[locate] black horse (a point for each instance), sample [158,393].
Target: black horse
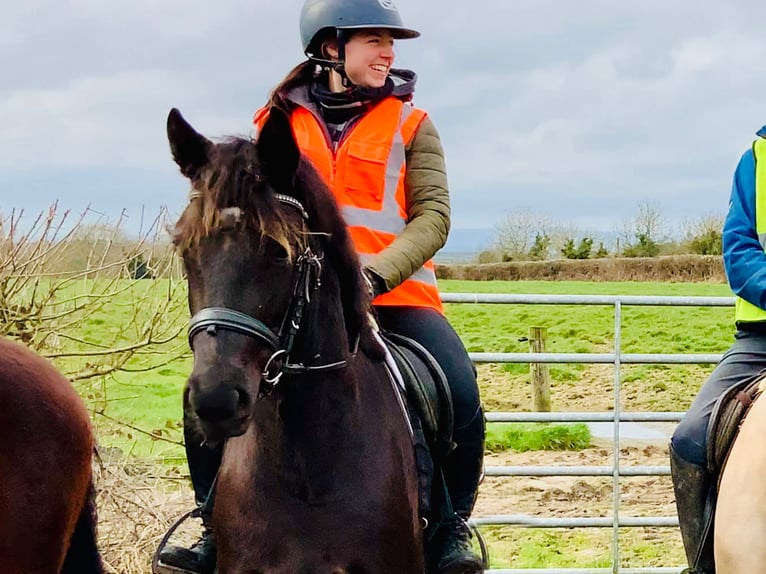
[318,472]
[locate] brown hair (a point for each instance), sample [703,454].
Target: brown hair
[300,75]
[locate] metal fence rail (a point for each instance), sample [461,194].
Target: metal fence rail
[617,358]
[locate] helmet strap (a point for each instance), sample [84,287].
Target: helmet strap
[338,65]
[341,36]
[341,63]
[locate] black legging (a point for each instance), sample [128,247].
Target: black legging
[744,359]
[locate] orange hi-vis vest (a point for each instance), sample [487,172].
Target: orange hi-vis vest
[366,173]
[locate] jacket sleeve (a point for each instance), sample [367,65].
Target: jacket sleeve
[743,255]
[427,206]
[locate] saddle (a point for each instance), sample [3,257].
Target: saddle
[426,391]
[727,416]
[428,402]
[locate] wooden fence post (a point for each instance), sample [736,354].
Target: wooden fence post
[541,380]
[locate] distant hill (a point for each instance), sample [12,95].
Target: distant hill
[455,258]
[464,245]
[469,240]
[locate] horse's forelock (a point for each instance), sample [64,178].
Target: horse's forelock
[232,180]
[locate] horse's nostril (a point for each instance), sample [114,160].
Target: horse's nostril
[243,398]
[218,405]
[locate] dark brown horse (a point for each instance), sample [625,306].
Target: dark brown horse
[318,473]
[47,513]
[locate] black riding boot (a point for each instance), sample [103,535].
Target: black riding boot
[203,467]
[695,503]
[462,473]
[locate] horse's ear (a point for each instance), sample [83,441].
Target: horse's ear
[190,149]
[277,149]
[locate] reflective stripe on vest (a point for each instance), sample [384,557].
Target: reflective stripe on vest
[367,175]
[745,311]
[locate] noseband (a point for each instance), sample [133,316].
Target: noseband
[307,281]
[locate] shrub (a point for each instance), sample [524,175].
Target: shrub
[582,251]
[709,243]
[539,249]
[646,247]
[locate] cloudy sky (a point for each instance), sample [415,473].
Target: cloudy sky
[575,110]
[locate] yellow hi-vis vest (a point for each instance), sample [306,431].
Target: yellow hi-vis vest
[744,311]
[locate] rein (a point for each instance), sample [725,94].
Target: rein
[308,280]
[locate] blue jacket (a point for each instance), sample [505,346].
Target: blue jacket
[743,255]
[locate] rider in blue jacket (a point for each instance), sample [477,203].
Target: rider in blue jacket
[744,256]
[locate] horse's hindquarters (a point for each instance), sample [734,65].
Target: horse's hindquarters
[45,462]
[740,522]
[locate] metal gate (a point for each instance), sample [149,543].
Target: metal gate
[617,358]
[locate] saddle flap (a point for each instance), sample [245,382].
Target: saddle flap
[427,390]
[729,411]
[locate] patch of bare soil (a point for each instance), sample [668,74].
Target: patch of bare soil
[593,391]
[578,496]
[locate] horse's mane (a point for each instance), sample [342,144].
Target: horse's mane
[232,178]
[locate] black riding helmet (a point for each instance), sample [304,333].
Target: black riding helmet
[319,18]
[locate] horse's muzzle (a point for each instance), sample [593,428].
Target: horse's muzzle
[223,411]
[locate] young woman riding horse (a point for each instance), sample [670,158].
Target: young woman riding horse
[47,512]
[381,158]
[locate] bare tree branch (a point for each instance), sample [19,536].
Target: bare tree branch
[68,289]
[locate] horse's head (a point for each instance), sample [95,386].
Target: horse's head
[260,234]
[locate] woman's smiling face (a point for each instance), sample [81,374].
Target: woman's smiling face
[369,56]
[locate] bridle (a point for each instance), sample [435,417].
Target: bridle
[307,281]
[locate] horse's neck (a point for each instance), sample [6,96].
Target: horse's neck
[307,434]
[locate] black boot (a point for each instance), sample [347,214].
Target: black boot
[695,501]
[203,467]
[463,470]
[457,555]
[199,559]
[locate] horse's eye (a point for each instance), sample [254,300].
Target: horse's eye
[275,251]
[281,254]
